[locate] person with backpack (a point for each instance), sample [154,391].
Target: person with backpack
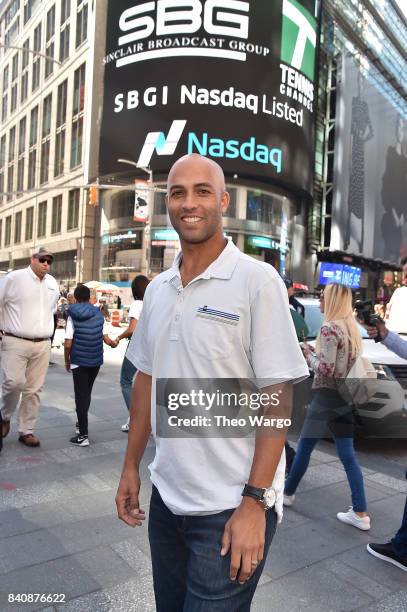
[86,330]
[338,346]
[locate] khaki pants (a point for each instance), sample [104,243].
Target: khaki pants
[24,366]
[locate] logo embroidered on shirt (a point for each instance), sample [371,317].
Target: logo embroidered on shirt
[213,314]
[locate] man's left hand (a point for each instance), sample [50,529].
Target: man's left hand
[244,536]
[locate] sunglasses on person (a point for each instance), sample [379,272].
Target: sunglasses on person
[45,260]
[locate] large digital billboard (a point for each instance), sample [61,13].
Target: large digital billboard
[370,171]
[340,273]
[229,79]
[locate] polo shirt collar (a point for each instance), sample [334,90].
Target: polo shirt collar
[223,267]
[33,274]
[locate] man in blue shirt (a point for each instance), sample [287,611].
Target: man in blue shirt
[394,552]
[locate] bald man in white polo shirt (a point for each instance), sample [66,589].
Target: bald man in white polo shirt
[216,314]
[28,301]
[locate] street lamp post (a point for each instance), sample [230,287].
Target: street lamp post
[146,248]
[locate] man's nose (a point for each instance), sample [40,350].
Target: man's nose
[189,202]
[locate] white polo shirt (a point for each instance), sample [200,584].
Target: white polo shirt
[28,304]
[177,337]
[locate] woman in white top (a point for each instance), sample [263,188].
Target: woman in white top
[128,371]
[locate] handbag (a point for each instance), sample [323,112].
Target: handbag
[360,383]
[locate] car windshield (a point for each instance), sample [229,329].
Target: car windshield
[314,319]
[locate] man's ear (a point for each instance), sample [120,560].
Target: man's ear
[225,201]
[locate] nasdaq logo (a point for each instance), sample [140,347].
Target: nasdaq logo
[298,38]
[249,150]
[161,144]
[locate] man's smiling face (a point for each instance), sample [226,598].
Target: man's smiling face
[196,198]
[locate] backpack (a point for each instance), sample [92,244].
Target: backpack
[360,383]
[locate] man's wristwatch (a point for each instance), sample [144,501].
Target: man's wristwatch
[265,496]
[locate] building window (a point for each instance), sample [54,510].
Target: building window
[21,135]
[29,223]
[14,82]
[4,108]
[2,151]
[7,233]
[49,41]
[64,44]
[42,219]
[77,116]
[10,182]
[17,227]
[34,127]
[56,215]
[59,153]
[76,144]
[36,58]
[32,163]
[81,24]
[50,23]
[61,105]
[5,79]
[46,116]
[24,68]
[20,175]
[12,144]
[29,6]
[65,10]
[44,172]
[79,90]
[73,209]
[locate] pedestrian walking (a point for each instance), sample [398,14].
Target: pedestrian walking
[338,345]
[216,313]
[395,551]
[128,370]
[85,332]
[28,301]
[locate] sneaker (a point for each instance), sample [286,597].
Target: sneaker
[288,500]
[125,428]
[77,431]
[351,518]
[386,553]
[80,440]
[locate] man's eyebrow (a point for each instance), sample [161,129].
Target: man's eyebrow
[196,185]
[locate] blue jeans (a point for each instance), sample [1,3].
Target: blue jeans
[188,571]
[346,453]
[127,374]
[399,541]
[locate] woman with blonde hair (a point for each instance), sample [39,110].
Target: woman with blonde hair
[338,345]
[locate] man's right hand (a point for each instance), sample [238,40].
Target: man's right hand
[127,498]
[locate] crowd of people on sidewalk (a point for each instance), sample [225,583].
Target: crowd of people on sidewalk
[216,314]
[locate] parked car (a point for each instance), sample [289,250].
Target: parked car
[385,415]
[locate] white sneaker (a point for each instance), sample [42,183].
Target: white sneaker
[351,518]
[125,428]
[288,500]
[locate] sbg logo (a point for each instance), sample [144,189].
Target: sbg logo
[188,19]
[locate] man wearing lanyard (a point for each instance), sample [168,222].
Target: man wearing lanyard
[28,301]
[216,314]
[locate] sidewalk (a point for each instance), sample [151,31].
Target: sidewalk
[60,535]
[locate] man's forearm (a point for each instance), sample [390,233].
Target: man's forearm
[140,421]
[270,441]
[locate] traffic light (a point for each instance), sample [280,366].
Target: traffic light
[93,196]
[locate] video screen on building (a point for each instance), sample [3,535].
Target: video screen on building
[340,273]
[234,81]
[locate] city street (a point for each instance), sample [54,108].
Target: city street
[60,534]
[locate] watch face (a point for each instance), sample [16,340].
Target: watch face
[269,497]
